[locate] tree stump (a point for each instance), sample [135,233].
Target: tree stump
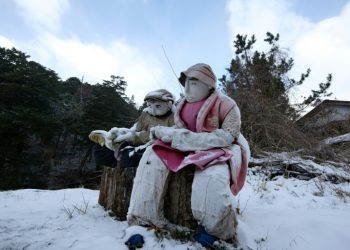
[116,187]
[115,190]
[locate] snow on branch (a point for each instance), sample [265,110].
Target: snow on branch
[338,139]
[290,165]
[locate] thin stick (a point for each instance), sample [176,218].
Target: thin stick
[171,66]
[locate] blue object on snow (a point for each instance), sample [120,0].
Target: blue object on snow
[203,237]
[135,241]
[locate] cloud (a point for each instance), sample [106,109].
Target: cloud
[93,61]
[257,17]
[43,15]
[324,46]
[326,49]
[7,43]
[72,57]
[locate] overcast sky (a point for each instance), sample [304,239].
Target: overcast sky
[95,39]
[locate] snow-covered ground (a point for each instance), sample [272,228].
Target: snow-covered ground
[278,214]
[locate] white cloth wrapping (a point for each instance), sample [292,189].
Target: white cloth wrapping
[190,141]
[211,198]
[212,201]
[186,140]
[147,196]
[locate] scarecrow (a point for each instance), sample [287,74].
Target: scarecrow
[207,135]
[128,144]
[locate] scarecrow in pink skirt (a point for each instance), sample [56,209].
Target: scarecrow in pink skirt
[206,134]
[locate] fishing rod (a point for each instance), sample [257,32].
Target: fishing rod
[172,68]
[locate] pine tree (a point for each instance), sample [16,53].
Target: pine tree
[260,83]
[46,121]
[28,93]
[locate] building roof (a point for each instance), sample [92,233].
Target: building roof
[324,104]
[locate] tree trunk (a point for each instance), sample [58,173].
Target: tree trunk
[116,187]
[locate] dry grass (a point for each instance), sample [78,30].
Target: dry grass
[267,126]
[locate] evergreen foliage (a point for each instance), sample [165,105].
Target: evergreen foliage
[42,117]
[28,92]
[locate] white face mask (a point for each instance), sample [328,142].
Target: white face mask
[158,108]
[195,90]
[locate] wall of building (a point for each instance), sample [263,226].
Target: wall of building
[329,114]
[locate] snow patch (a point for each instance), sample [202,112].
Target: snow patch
[277,214]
